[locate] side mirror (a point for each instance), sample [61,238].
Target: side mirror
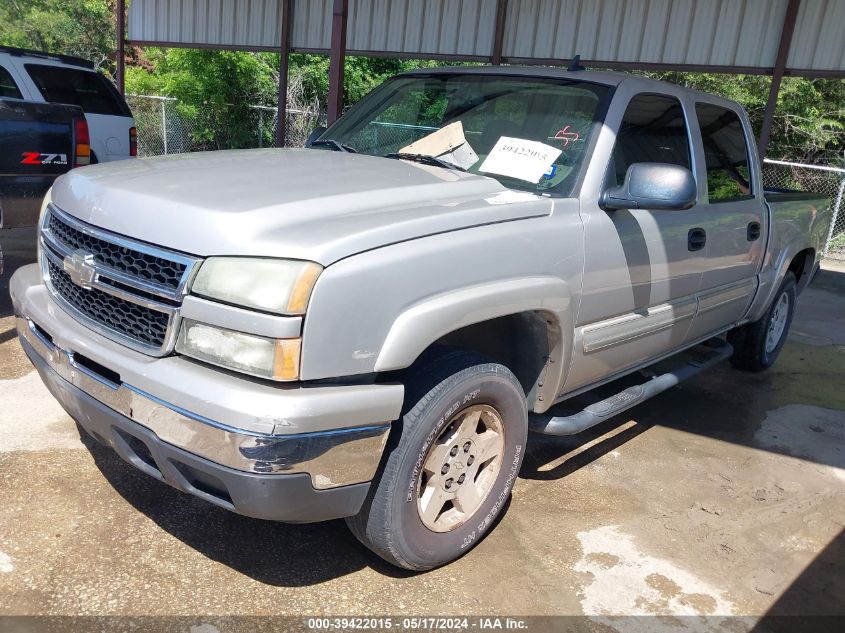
[656,186]
[317,133]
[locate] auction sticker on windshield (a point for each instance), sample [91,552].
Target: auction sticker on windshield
[520,158]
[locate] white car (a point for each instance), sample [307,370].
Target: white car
[42,77]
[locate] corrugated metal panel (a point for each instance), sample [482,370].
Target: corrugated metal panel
[235,23]
[743,33]
[698,32]
[312,24]
[819,39]
[440,27]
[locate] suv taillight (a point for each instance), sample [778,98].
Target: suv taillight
[133,141]
[82,142]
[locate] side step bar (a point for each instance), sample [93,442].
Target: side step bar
[712,352]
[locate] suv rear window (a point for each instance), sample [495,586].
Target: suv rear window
[8,88]
[84,88]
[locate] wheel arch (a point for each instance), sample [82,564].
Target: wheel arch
[796,257]
[488,318]
[802,265]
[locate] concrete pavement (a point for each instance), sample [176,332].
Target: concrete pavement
[724,496]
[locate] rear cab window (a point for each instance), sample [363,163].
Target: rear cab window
[653,130]
[8,88]
[87,89]
[725,153]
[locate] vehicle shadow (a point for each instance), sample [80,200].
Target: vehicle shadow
[273,553]
[727,404]
[17,248]
[815,601]
[8,335]
[722,403]
[548,458]
[817,596]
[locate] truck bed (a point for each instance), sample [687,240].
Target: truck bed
[36,146]
[792,195]
[798,217]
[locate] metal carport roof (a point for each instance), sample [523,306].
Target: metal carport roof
[773,37]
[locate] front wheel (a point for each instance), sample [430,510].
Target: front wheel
[757,344]
[451,465]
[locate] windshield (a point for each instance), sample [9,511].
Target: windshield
[529,133]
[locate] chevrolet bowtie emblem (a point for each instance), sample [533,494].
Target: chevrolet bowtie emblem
[80,266]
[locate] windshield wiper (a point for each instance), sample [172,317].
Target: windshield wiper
[337,145]
[426,159]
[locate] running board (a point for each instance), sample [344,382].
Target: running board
[711,352]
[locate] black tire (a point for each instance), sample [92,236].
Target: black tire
[438,389]
[749,340]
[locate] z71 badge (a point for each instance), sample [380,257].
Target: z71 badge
[37,158]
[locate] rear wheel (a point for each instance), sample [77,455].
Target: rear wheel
[758,344]
[451,464]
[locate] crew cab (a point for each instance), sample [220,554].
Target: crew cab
[368,327]
[47,78]
[38,143]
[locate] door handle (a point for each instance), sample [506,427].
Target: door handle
[696,239]
[753,231]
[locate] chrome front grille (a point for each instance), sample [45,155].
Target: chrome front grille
[143,325]
[145,266]
[126,290]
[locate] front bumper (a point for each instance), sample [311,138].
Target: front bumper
[314,469]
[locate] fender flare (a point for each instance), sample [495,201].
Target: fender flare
[423,323]
[778,272]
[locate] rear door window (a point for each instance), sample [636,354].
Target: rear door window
[653,130]
[8,87]
[86,89]
[725,153]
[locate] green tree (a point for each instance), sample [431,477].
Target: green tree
[215,91]
[809,123]
[215,88]
[361,74]
[85,28]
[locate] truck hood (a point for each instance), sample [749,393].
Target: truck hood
[303,204]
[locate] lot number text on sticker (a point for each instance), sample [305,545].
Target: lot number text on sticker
[520,158]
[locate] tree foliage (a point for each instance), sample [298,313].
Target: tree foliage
[85,28]
[215,88]
[809,123]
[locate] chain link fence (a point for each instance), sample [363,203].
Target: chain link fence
[823,180]
[168,126]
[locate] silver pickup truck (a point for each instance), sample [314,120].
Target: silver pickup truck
[367,327]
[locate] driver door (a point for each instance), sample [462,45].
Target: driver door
[643,267]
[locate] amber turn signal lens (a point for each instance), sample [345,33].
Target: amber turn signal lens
[286,362]
[301,293]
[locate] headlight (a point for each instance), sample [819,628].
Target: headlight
[277,359]
[280,286]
